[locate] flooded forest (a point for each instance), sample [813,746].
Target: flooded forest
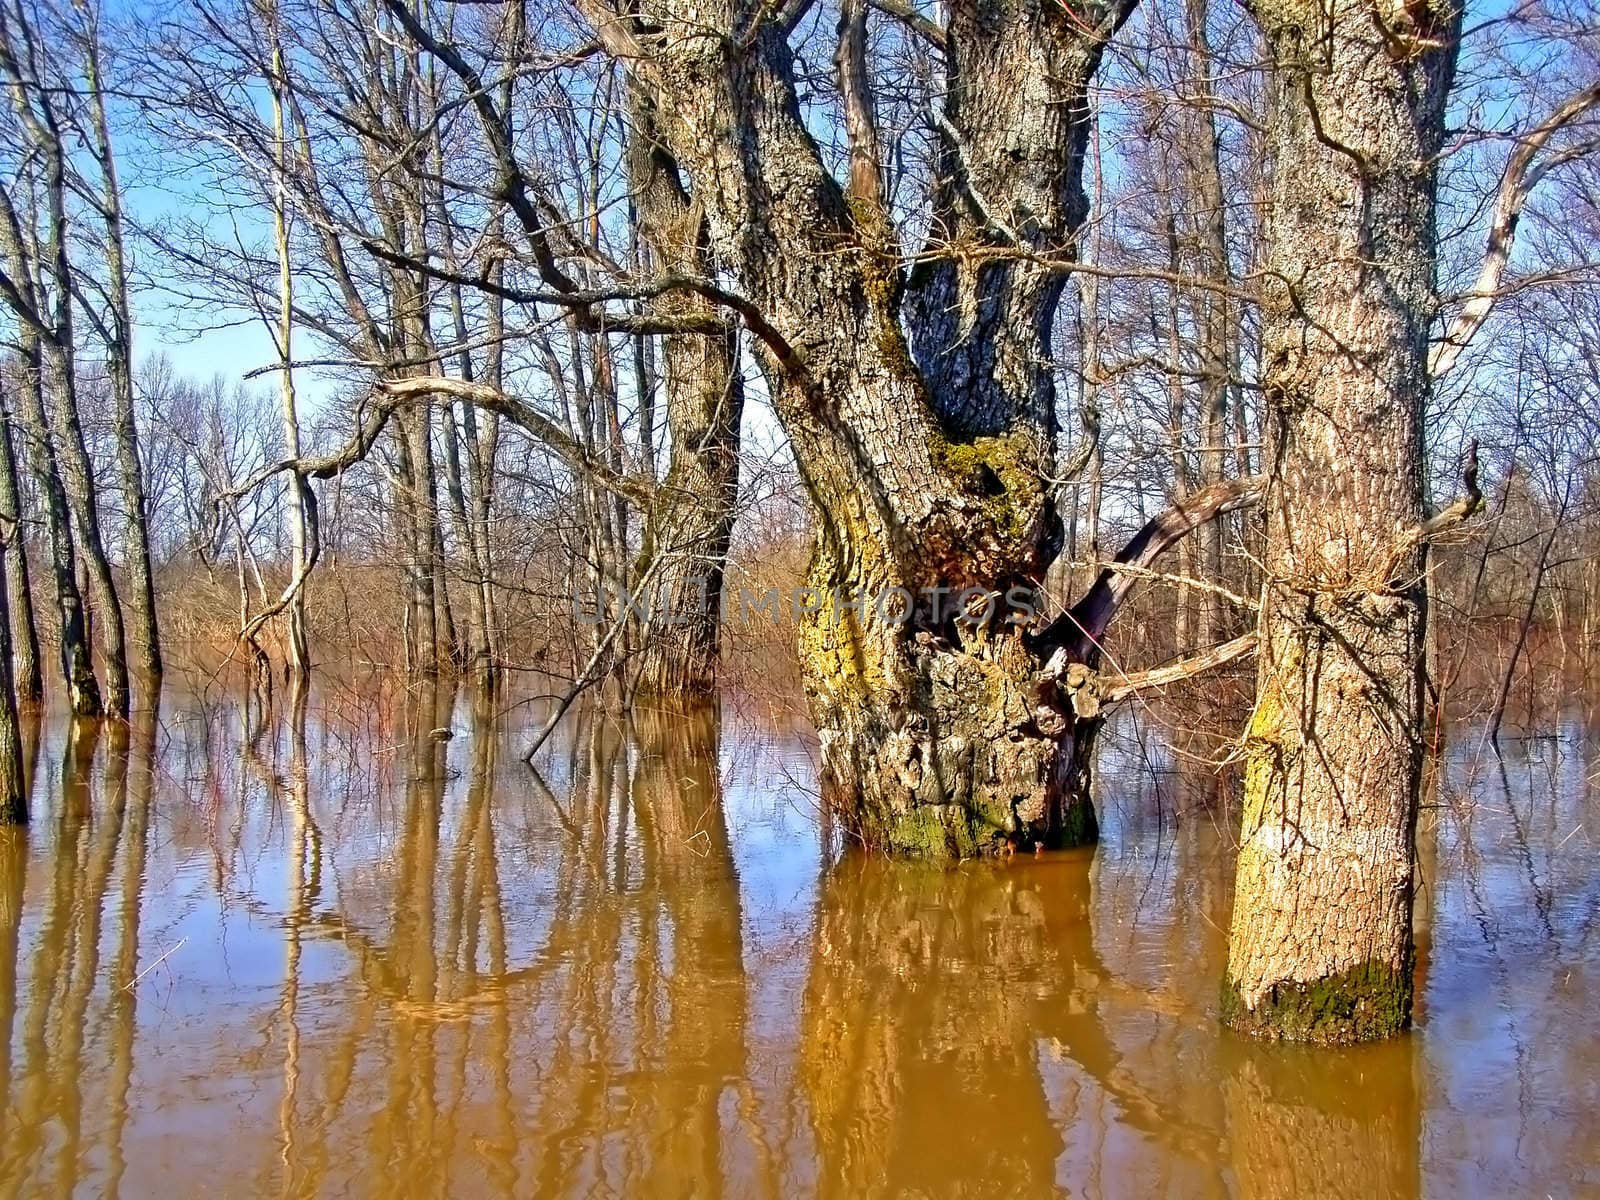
[799,597]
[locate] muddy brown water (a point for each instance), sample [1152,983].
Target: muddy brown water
[330,957]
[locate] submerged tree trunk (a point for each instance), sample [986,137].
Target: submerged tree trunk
[77,666]
[947,726]
[417,561]
[303,547]
[39,297]
[81,498]
[25,655]
[690,527]
[118,338]
[48,313]
[1321,946]
[13,789]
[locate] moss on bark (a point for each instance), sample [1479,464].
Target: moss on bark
[1079,826]
[1364,1004]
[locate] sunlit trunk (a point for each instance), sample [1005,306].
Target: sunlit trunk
[78,476]
[77,667]
[41,293]
[416,526]
[483,444]
[1321,947]
[301,503]
[929,463]
[28,674]
[475,645]
[118,338]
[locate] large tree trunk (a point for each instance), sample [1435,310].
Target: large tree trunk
[929,464]
[1322,946]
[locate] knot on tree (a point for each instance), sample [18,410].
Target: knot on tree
[1081,687]
[1076,693]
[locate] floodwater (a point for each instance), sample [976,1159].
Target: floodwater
[336,955]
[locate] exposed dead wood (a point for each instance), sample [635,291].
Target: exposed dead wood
[1188,668]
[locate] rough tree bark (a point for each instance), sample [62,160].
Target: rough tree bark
[1321,946]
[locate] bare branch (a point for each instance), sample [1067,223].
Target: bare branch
[1187,668]
[855,94]
[908,16]
[1076,633]
[1521,176]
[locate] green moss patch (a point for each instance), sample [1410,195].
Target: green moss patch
[1363,1004]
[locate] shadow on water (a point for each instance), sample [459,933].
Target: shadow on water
[330,948]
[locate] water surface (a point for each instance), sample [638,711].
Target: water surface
[331,953]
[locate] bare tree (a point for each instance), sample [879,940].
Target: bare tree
[25,657]
[50,318]
[115,332]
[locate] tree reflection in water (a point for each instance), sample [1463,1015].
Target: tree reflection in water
[326,948]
